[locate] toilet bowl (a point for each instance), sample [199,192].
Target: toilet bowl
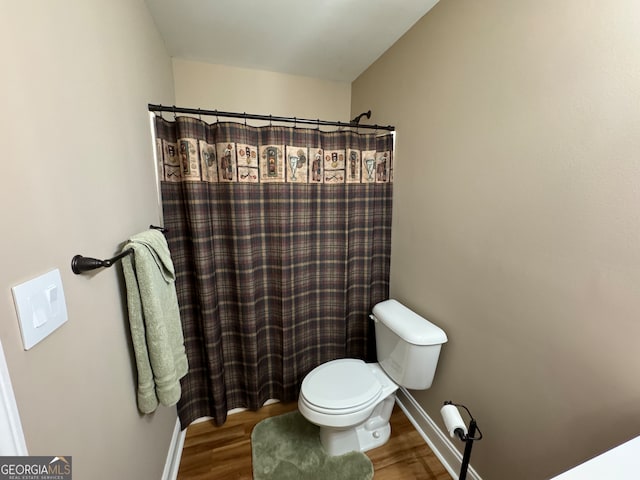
[351,401]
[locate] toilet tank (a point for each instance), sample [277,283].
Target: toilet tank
[408,345]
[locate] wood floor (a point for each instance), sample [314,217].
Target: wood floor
[224,453]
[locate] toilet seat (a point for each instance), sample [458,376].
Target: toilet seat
[341,387]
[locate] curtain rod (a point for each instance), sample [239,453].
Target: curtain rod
[271,118]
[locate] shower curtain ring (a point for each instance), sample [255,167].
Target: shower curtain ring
[270,123]
[245,118]
[199,114]
[217,119]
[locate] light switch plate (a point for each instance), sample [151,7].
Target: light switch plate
[41,307]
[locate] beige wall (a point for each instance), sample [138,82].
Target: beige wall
[220,87]
[516,225]
[77,177]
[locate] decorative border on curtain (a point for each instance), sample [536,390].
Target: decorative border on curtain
[228,152]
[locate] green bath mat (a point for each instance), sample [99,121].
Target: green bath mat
[287,447]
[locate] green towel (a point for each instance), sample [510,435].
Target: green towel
[154,318]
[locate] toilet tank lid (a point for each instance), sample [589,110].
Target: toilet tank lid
[407,324]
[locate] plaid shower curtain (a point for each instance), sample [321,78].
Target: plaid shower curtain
[281,242]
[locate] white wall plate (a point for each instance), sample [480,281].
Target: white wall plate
[41,307]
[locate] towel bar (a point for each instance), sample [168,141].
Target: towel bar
[81,264]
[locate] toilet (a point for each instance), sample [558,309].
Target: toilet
[351,401]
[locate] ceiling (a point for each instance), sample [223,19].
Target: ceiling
[326,39]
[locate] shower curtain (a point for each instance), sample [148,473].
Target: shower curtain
[280,238]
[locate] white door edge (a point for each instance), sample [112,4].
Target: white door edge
[12,441]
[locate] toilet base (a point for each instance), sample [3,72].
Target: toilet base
[372,433]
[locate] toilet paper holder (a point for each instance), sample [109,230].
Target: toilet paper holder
[456,426]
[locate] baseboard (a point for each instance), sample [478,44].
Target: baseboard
[438,441]
[172,463]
